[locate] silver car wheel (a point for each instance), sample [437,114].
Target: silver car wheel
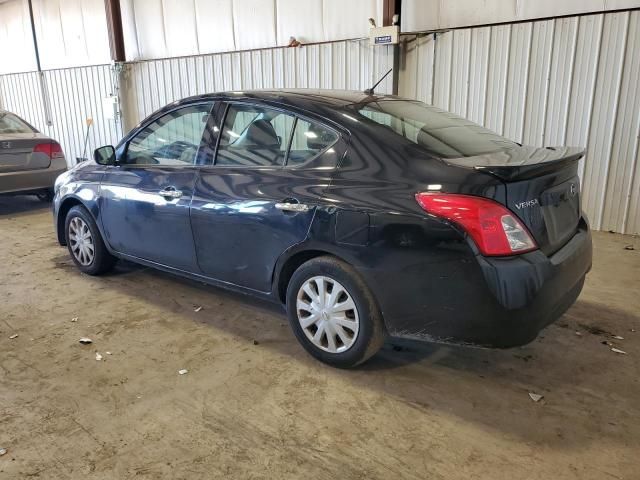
[327,314]
[81,241]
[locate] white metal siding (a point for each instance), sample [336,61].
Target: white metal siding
[517,80]
[76,94]
[430,15]
[155,29]
[352,65]
[497,67]
[478,71]
[568,81]
[624,157]
[606,97]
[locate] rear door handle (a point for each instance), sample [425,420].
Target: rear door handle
[292,207]
[170,192]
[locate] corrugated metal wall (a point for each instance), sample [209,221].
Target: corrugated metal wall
[569,81]
[75,94]
[350,64]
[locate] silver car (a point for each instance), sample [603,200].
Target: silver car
[29,160]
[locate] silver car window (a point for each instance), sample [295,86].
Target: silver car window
[442,133]
[10,123]
[254,136]
[172,139]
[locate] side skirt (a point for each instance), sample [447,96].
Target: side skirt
[200,278]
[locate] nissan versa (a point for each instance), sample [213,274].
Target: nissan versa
[365,215]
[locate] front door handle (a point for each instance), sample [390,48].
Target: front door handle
[170,192]
[292,207]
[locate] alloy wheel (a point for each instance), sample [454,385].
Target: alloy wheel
[81,241]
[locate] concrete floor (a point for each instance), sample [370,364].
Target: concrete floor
[269,410]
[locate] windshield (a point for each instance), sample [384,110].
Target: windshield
[441,133]
[9,123]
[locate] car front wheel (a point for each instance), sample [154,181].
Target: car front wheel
[85,243]
[333,313]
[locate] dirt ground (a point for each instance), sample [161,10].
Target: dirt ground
[268,410]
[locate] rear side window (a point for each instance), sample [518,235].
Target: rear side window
[9,123]
[254,136]
[442,133]
[309,141]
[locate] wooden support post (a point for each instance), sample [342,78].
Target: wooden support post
[114,27]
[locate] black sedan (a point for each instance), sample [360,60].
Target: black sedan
[365,215]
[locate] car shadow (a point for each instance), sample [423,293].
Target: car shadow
[17,205]
[487,387]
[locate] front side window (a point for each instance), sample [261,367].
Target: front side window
[254,136]
[309,141]
[9,123]
[442,133]
[173,139]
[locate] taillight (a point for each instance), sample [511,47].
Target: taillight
[492,227]
[51,150]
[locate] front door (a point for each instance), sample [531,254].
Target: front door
[145,199]
[260,195]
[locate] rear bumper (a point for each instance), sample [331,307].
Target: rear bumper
[490,302]
[32,180]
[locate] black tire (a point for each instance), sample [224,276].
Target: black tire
[45,195]
[371,332]
[102,260]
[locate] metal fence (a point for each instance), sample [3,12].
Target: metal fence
[569,81]
[73,95]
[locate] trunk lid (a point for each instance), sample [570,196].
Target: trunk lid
[16,152]
[542,189]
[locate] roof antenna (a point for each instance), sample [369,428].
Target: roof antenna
[369,91]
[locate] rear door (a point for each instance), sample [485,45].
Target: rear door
[144,201]
[259,196]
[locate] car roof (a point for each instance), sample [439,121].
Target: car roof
[300,97]
[328,104]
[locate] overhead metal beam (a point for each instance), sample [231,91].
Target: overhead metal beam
[114,28]
[35,38]
[46,106]
[389,9]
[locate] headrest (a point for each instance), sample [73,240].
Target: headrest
[321,139]
[261,134]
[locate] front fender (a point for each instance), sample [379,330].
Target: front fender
[81,188]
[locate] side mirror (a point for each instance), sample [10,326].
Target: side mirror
[105,155]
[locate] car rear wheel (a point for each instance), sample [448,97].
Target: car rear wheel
[85,243]
[333,313]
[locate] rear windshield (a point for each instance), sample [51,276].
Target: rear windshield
[441,133]
[9,123]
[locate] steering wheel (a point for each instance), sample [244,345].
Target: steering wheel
[174,150]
